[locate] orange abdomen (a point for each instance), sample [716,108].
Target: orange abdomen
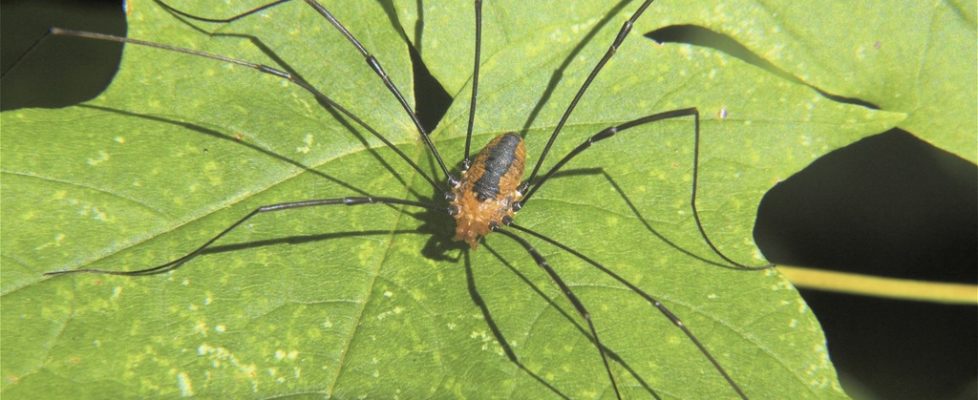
[489,188]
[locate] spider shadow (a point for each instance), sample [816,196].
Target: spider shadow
[439,246]
[436,223]
[504,343]
[214,133]
[638,214]
[497,331]
[558,73]
[339,113]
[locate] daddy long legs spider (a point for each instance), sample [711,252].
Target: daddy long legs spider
[353,241]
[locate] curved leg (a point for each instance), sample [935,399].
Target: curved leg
[622,34]
[219,20]
[615,357]
[652,300]
[612,131]
[487,316]
[177,263]
[578,305]
[475,79]
[54,31]
[367,56]
[379,70]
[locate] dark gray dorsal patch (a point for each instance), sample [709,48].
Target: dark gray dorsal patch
[498,161]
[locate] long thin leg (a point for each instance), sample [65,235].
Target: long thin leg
[172,265]
[220,20]
[570,318]
[379,70]
[498,333]
[622,34]
[369,58]
[255,66]
[652,300]
[475,78]
[578,305]
[611,131]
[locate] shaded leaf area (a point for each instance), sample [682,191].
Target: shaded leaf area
[376,300]
[916,58]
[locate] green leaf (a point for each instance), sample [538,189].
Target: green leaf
[913,57]
[375,301]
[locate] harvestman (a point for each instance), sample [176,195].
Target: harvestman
[489,192]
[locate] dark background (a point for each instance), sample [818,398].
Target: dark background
[888,205]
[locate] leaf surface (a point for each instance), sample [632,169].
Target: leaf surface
[377,301]
[919,58]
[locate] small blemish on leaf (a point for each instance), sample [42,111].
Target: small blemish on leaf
[386,314]
[185,385]
[103,156]
[308,144]
[802,306]
[58,239]
[201,327]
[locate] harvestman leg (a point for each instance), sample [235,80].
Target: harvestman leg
[244,63]
[612,355]
[172,265]
[475,79]
[367,56]
[611,131]
[652,300]
[376,67]
[578,305]
[274,207]
[619,39]
[484,309]
[540,260]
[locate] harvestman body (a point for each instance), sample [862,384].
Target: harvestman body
[489,192]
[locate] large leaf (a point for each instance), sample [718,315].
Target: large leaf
[377,301]
[919,58]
